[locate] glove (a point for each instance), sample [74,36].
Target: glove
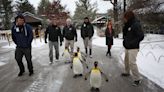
[60,43]
[45,41]
[106,80]
[76,40]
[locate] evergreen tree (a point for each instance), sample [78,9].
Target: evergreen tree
[6,13]
[24,6]
[43,6]
[84,9]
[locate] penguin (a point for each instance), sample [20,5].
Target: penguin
[66,55]
[77,66]
[96,77]
[81,55]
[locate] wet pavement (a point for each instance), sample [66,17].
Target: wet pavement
[58,77]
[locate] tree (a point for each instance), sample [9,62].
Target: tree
[84,9]
[49,10]
[43,7]
[24,6]
[6,12]
[148,12]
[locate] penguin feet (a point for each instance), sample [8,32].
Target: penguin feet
[77,75]
[95,89]
[71,66]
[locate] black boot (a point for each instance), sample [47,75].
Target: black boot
[86,51]
[107,53]
[90,53]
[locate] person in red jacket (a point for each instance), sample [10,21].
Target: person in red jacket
[109,33]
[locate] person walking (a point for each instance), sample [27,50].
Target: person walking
[54,33]
[132,35]
[87,32]
[70,35]
[22,36]
[109,33]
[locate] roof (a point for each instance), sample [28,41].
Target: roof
[30,15]
[101,19]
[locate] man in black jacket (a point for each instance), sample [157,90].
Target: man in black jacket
[54,32]
[132,35]
[70,35]
[87,32]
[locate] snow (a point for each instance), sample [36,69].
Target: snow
[2,63]
[150,58]
[35,44]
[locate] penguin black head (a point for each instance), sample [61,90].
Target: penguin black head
[78,49]
[96,64]
[75,54]
[66,48]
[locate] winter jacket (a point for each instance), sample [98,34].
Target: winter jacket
[22,36]
[87,30]
[53,33]
[69,32]
[132,34]
[109,36]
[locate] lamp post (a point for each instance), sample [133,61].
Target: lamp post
[124,5]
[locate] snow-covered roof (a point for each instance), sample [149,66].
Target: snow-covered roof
[31,15]
[97,20]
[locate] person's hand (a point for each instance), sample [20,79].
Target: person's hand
[60,43]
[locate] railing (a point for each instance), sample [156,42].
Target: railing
[157,59]
[6,35]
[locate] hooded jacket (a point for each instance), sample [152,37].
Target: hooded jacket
[22,36]
[132,34]
[87,30]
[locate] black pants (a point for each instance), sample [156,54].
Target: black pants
[19,53]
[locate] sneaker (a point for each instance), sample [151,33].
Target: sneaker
[51,62]
[31,73]
[97,89]
[57,60]
[20,74]
[125,74]
[136,83]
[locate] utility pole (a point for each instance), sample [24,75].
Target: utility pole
[124,5]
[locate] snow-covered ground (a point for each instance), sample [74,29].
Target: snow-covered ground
[150,58]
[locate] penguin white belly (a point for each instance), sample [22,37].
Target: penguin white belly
[95,79]
[67,57]
[77,67]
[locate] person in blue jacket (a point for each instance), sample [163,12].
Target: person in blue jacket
[22,36]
